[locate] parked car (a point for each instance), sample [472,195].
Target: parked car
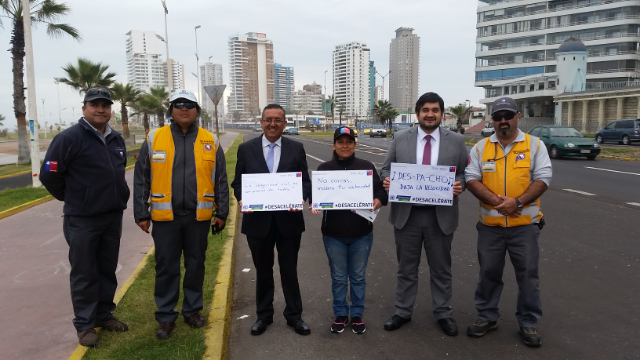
[378,130]
[488,130]
[293,131]
[287,129]
[622,131]
[398,128]
[566,141]
[367,131]
[257,128]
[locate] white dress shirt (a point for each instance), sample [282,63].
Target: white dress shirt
[276,151]
[435,145]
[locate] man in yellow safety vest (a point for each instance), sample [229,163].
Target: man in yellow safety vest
[508,172]
[180,185]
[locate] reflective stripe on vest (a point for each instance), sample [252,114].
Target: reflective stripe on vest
[512,177]
[161,157]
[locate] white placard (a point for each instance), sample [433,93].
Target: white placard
[342,190]
[422,184]
[367,214]
[272,191]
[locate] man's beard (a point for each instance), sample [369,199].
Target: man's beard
[505,132]
[426,127]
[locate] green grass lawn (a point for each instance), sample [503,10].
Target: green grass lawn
[13,197]
[138,306]
[633,153]
[14,169]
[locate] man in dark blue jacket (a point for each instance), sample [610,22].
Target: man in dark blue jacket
[85,167]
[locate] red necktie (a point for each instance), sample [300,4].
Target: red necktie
[426,155]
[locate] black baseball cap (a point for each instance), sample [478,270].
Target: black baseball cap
[504,103]
[345,130]
[97,94]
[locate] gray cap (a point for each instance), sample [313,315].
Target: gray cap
[504,103]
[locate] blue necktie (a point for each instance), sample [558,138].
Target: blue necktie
[270,156]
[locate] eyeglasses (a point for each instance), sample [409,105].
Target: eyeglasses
[188,105]
[93,92]
[507,116]
[277,121]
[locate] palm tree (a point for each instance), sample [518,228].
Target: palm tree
[389,115]
[331,99]
[87,75]
[2,118]
[127,96]
[341,109]
[42,12]
[380,110]
[162,95]
[146,105]
[460,112]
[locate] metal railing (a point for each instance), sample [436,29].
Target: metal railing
[592,38]
[551,58]
[607,85]
[556,26]
[556,9]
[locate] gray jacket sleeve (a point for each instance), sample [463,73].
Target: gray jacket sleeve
[142,185]
[221,190]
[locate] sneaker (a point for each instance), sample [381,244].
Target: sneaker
[481,327]
[112,324]
[530,336]
[339,323]
[357,325]
[88,337]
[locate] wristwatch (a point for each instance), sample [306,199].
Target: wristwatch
[520,206]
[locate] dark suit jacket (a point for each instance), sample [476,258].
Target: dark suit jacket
[452,152]
[251,161]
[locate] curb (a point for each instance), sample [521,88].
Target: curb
[216,336]
[23,207]
[618,158]
[80,350]
[15,174]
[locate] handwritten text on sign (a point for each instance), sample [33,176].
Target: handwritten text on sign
[271,191]
[342,190]
[422,184]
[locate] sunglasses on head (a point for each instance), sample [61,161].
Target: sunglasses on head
[506,116]
[188,105]
[102,92]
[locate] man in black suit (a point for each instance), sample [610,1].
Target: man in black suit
[272,153]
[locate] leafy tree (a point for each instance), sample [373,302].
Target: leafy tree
[162,95]
[43,12]
[127,96]
[236,115]
[331,99]
[86,75]
[460,112]
[206,117]
[2,118]
[146,105]
[310,113]
[341,109]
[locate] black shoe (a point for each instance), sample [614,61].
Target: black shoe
[164,330]
[395,323]
[300,327]
[481,327]
[260,326]
[448,326]
[196,320]
[530,336]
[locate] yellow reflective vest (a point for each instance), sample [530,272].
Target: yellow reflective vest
[161,157]
[508,175]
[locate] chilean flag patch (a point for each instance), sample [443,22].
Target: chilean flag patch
[299,174]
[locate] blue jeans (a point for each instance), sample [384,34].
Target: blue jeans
[348,259]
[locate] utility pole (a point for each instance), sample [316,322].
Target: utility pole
[31,95]
[59,111]
[43,119]
[166,42]
[383,77]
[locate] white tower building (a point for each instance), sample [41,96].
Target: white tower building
[351,77]
[145,67]
[211,74]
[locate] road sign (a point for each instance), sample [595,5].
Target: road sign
[215,92]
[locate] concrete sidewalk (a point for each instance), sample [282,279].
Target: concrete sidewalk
[35,302]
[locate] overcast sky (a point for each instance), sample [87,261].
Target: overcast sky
[303,32]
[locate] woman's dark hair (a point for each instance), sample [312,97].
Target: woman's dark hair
[429,97]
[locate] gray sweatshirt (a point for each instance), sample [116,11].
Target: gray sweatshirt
[184,188]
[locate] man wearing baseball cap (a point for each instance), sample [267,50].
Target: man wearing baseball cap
[84,167]
[180,186]
[508,172]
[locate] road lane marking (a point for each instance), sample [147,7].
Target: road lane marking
[315,158]
[634,203]
[614,171]
[579,192]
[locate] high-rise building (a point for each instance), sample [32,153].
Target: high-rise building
[284,85]
[351,77]
[309,99]
[210,74]
[379,95]
[251,75]
[404,69]
[372,87]
[517,42]
[145,68]
[176,75]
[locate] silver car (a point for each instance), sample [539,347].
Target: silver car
[488,130]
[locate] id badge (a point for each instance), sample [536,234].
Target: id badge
[488,166]
[158,156]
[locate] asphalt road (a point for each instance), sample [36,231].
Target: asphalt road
[590,281]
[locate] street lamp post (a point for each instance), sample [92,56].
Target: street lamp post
[31,95]
[195,30]
[43,120]
[383,77]
[166,41]
[59,111]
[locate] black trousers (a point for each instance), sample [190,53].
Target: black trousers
[172,238]
[94,245]
[263,259]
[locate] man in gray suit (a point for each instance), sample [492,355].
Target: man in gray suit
[431,227]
